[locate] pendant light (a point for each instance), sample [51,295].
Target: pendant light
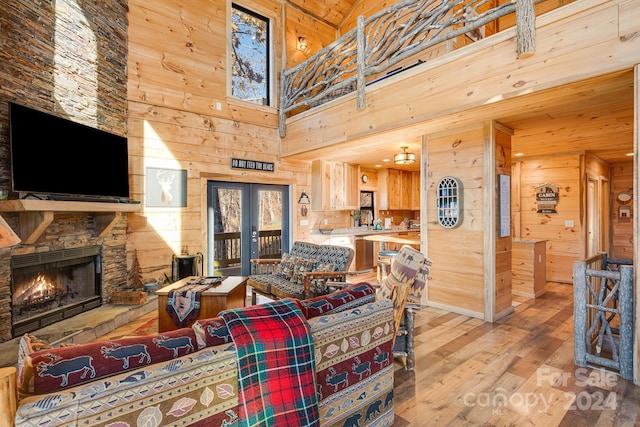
[404,158]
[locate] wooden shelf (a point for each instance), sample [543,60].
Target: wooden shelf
[36,215]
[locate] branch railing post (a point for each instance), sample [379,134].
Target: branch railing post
[282,127]
[580,313]
[526,28]
[625,302]
[361,61]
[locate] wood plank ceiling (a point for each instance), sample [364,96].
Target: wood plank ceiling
[594,116]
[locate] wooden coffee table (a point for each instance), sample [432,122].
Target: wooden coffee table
[231,293]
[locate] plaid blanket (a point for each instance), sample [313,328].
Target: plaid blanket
[276,365]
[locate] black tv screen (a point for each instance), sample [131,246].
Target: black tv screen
[55,156]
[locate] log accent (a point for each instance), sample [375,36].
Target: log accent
[526,28]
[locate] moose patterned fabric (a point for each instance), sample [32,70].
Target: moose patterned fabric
[276,377]
[53,369]
[198,390]
[352,369]
[352,296]
[354,365]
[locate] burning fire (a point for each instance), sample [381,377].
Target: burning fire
[39,290]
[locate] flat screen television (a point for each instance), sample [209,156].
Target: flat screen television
[59,158]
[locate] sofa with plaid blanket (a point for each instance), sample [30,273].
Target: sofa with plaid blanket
[301,273]
[190,376]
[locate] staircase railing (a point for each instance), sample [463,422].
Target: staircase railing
[388,37]
[603,314]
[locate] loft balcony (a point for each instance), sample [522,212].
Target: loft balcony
[423,67]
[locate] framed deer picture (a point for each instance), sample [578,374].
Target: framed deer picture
[166,187]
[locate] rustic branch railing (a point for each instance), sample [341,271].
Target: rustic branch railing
[603,314]
[385,39]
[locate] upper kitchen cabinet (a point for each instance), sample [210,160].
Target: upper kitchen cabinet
[396,190]
[334,186]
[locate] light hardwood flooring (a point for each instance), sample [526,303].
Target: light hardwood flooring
[518,371]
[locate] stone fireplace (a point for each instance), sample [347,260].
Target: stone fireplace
[48,287]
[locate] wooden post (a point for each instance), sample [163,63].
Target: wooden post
[625,298]
[8,396]
[361,65]
[526,28]
[580,313]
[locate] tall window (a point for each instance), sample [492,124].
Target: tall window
[250,56]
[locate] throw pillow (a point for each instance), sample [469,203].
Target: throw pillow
[300,267]
[52,369]
[211,332]
[352,296]
[285,268]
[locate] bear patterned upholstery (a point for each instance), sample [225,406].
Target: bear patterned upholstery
[353,363]
[302,273]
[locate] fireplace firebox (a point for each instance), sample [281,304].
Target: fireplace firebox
[48,287]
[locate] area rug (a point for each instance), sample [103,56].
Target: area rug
[150,327]
[276,365]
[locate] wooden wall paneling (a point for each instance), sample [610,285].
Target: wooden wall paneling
[458,154]
[500,137]
[564,244]
[317,33]
[622,228]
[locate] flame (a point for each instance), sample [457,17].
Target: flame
[40,289]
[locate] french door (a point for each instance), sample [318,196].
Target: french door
[245,221]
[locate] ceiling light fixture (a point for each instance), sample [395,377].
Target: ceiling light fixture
[404,158]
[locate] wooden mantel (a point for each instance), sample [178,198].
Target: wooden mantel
[36,215]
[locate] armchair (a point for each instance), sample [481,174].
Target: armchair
[300,274]
[404,285]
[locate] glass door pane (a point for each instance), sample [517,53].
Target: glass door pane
[225,225]
[245,221]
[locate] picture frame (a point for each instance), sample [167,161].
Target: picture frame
[166,187]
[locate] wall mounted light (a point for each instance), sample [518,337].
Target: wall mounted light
[302,44]
[304,200]
[404,158]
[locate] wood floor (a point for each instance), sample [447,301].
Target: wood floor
[515,372]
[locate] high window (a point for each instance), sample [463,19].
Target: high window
[250,42]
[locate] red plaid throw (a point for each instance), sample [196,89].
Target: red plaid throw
[276,365]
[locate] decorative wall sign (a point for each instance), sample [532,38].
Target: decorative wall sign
[166,187]
[253,165]
[547,196]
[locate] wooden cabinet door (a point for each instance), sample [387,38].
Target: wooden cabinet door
[351,186]
[415,191]
[320,185]
[334,186]
[405,190]
[394,187]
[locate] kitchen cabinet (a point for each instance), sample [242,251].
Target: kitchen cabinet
[396,189]
[415,191]
[334,186]
[528,267]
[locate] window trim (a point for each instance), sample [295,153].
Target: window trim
[271,54]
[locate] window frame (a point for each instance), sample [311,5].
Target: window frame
[271,79]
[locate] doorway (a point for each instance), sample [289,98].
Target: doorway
[245,221]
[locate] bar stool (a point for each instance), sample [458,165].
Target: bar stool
[385,258]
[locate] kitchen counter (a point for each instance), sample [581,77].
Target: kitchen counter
[363,231]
